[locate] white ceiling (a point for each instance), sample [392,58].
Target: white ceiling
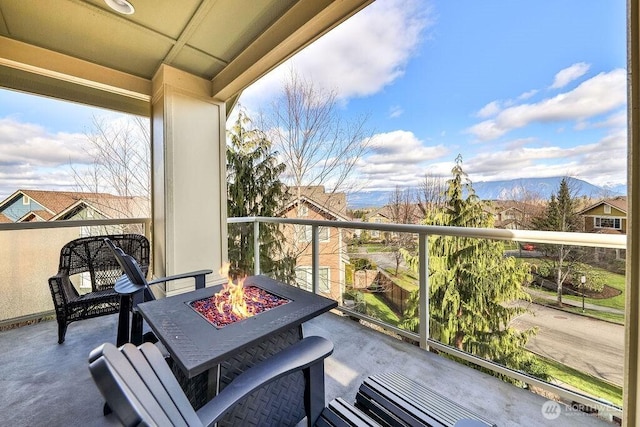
[51,46]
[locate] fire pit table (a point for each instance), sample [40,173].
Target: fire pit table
[206,358]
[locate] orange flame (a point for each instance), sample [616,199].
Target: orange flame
[232,295]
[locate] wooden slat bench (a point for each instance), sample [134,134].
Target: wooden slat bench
[340,413]
[395,400]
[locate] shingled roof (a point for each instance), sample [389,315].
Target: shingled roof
[619,203]
[57,204]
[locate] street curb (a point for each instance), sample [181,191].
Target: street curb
[577,314]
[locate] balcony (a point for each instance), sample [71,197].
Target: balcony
[44,380]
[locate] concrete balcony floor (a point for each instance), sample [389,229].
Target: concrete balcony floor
[44,383]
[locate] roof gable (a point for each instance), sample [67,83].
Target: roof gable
[54,205]
[322,210]
[618,203]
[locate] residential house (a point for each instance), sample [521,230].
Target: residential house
[389,214]
[315,204]
[606,216]
[39,205]
[513,215]
[380,216]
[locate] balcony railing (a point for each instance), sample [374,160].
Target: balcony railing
[14,238]
[423,232]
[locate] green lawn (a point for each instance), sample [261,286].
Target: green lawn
[602,315]
[377,247]
[370,248]
[377,308]
[587,383]
[616,281]
[405,279]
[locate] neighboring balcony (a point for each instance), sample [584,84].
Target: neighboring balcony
[46,381]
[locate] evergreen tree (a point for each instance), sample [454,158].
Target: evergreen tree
[561,215]
[472,285]
[254,189]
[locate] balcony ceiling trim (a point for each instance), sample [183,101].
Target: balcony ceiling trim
[46,63]
[84,43]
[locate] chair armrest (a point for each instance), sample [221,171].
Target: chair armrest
[301,355]
[61,289]
[198,275]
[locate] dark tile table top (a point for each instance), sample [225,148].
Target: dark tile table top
[196,345]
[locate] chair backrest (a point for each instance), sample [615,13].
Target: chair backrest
[91,255]
[128,264]
[139,386]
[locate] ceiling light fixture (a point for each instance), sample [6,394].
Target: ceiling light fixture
[121,6]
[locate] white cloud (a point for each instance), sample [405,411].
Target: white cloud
[583,161]
[359,57]
[527,94]
[398,158]
[598,95]
[615,120]
[395,111]
[402,147]
[32,157]
[569,74]
[489,110]
[30,144]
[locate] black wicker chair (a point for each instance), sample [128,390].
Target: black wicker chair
[92,256]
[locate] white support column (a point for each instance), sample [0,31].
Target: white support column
[189,178]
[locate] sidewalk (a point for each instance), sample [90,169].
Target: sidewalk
[572,303]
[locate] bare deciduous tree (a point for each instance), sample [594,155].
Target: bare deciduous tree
[121,164]
[401,211]
[431,194]
[526,203]
[318,146]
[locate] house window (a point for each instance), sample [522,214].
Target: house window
[607,209]
[304,233]
[304,210]
[25,200]
[614,223]
[304,278]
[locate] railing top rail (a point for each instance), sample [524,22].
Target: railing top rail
[530,236]
[72,223]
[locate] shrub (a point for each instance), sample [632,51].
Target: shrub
[349,273]
[363,264]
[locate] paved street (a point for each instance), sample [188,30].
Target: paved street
[382,259]
[583,343]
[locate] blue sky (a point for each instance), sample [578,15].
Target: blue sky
[518,88]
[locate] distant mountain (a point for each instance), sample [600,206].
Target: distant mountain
[542,187]
[367,199]
[505,190]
